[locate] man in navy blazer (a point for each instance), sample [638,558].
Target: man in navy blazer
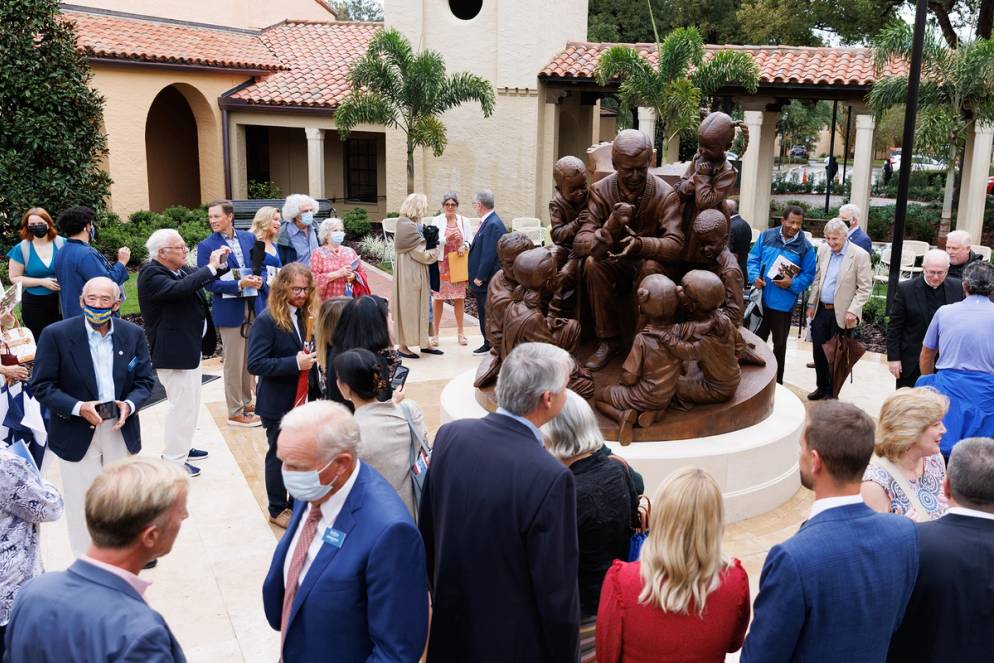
[951,611]
[236,302]
[498,517]
[95,610]
[836,590]
[347,582]
[852,215]
[483,262]
[83,362]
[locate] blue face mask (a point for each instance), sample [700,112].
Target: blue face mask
[97,316]
[307,218]
[93,233]
[306,485]
[337,236]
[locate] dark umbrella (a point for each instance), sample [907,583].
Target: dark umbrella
[842,352]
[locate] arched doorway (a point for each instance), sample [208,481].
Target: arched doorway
[172,154]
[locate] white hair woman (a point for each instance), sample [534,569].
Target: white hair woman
[334,265]
[906,472]
[455,236]
[411,286]
[298,238]
[682,597]
[606,502]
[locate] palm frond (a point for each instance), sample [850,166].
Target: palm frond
[376,74]
[681,49]
[363,107]
[680,110]
[393,47]
[621,62]
[423,81]
[428,131]
[462,87]
[726,68]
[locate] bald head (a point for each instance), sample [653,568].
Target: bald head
[631,143]
[103,286]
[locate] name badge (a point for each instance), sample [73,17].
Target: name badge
[334,537]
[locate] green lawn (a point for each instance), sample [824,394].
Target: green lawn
[130,304]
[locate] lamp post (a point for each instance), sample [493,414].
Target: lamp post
[907,149]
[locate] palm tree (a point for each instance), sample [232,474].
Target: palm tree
[680,82]
[957,89]
[396,87]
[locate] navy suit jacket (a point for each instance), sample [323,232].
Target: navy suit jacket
[63,374]
[951,612]
[862,240]
[363,602]
[498,517]
[272,355]
[86,614]
[483,262]
[230,311]
[174,309]
[836,590]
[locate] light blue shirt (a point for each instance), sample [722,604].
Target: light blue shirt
[102,355]
[303,242]
[532,427]
[832,274]
[961,333]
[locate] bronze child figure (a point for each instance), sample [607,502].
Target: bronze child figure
[567,212]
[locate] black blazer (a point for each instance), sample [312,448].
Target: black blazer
[909,319]
[483,262]
[174,310]
[498,518]
[63,374]
[950,616]
[272,355]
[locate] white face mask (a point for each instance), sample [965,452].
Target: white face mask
[305,485]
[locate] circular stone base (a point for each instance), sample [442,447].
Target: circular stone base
[756,466]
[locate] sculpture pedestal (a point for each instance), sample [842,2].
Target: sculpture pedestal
[756,466]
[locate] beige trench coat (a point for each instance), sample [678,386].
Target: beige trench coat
[411,288]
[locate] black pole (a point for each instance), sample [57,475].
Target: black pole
[907,149]
[845,150]
[831,155]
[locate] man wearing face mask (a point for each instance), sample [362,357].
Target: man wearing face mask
[92,372]
[351,543]
[298,236]
[78,262]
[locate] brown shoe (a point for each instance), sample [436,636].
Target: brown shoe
[282,519]
[602,355]
[250,408]
[810,364]
[244,421]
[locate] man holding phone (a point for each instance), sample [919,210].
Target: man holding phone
[93,373]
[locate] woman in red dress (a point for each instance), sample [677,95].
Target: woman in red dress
[682,602]
[334,265]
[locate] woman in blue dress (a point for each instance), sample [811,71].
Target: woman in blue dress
[32,262]
[266,228]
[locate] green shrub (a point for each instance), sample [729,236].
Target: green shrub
[392,215]
[921,222]
[874,311]
[112,233]
[357,223]
[264,190]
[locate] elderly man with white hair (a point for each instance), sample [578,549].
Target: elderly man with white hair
[853,216]
[92,372]
[842,284]
[298,237]
[179,329]
[961,253]
[911,311]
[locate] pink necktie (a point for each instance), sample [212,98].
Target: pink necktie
[309,529]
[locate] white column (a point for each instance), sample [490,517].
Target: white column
[862,166]
[647,123]
[595,124]
[548,148]
[757,168]
[238,161]
[672,150]
[315,162]
[973,191]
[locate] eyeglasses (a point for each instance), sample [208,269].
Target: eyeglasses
[182,247]
[300,291]
[450,204]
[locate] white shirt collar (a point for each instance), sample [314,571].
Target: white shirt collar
[827,503]
[972,513]
[138,584]
[93,334]
[852,230]
[331,508]
[485,217]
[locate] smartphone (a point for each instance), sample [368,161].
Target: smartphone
[108,410]
[399,377]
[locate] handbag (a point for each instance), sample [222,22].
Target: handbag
[18,346]
[419,458]
[640,524]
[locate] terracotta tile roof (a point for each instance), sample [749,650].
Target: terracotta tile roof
[148,39]
[777,64]
[317,57]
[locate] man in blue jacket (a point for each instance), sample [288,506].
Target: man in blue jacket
[837,590]
[78,262]
[782,262]
[483,258]
[852,215]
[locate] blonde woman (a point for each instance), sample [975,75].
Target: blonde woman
[906,472]
[411,287]
[682,601]
[266,228]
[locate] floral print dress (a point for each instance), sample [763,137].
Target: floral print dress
[927,488]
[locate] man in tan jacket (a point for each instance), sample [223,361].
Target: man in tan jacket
[842,285]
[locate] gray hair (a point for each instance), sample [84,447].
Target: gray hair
[159,240]
[971,473]
[293,203]
[574,430]
[962,235]
[97,281]
[936,256]
[836,225]
[531,370]
[853,209]
[978,277]
[334,428]
[486,198]
[327,227]
[414,207]
[450,195]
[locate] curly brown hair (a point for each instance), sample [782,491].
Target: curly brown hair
[279,297]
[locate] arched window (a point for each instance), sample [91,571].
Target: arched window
[465,9]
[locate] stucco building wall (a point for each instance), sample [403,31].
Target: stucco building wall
[251,14]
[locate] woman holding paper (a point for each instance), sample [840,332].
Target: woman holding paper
[452,265]
[334,264]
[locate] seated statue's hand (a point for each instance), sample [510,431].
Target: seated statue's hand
[630,246]
[621,215]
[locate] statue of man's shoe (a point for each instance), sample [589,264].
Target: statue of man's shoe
[602,355]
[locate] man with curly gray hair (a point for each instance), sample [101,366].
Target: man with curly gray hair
[298,236]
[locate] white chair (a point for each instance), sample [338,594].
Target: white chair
[389,233]
[523,222]
[536,235]
[810,235]
[474,224]
[983,251]
[755,234]
[883,267]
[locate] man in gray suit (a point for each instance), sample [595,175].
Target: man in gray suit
[95,610]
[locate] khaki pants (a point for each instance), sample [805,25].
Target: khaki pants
[183,392]
[238,383]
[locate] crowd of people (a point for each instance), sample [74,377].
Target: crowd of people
[513,536]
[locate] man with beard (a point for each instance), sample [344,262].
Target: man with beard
[631,202]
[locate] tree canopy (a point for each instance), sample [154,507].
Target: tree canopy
[358,10]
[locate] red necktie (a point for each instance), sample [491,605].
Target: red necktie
[307,532]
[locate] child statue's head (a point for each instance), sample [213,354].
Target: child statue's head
[509,247]
[570,176]
[657,298]
[535,269]
[715,136]
[710,233]
[701,292]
